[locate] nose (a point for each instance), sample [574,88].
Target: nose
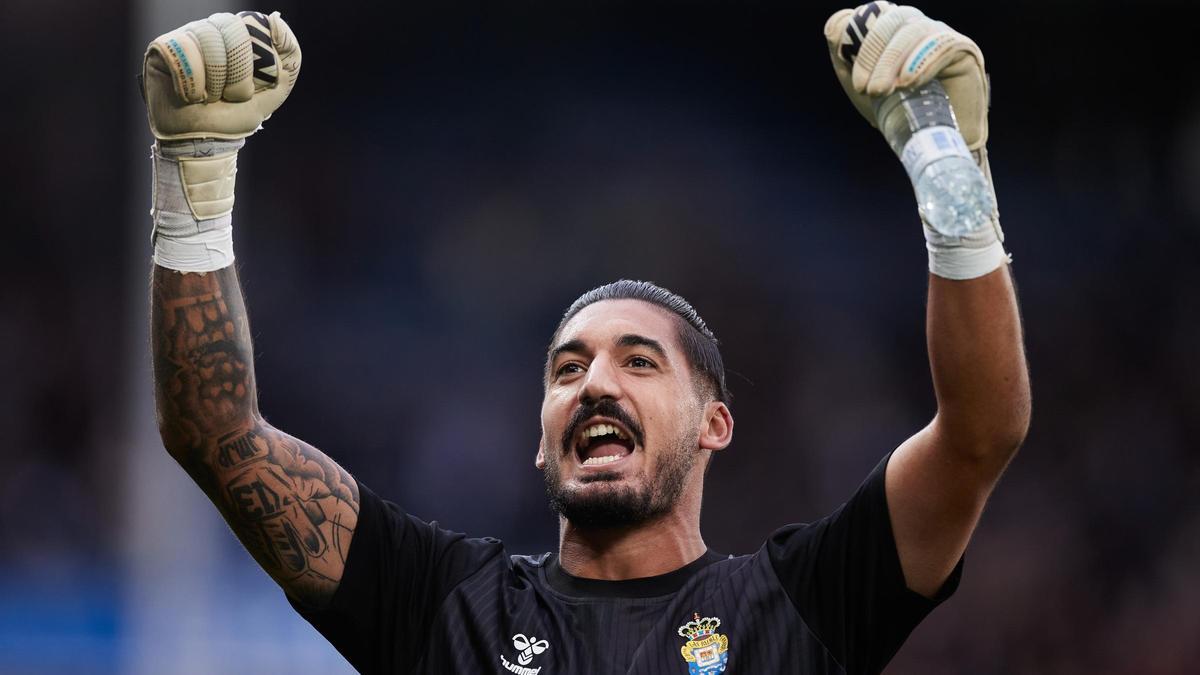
[601,381]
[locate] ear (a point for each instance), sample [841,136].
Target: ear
[540,460]
[717,432]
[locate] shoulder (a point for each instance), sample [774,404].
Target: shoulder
[860,519]
[396,552]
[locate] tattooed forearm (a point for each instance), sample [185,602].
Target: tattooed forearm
[203,364]
[292,507]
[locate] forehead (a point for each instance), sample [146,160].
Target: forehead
[606,320]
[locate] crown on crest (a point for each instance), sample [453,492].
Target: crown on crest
[698,628]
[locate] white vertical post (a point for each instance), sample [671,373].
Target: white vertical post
[171,535]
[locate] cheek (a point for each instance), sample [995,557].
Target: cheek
[549,406]
[668,411]
[554,419]
[672,422]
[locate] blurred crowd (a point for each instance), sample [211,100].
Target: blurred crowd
[447,178]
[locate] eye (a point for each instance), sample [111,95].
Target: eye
[568,368]
[641,362]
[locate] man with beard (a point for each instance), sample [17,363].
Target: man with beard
[635,404]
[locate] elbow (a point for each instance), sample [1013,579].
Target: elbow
[182,437]
[186,438]
[171,432]
[1010,433]
[991,437]
[1018,427]
[1006,443]
[187,429]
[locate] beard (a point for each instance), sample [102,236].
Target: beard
[621,505]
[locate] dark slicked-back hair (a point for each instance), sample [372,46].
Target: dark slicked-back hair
[699,344]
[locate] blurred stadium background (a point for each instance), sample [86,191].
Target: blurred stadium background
[448,175]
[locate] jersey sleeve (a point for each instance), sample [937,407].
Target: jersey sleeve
[843,575]
[399,570]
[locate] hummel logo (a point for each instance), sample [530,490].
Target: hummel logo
[527,648]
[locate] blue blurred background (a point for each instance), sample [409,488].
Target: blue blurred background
[448,176]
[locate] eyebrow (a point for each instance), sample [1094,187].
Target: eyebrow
[633,340]
[575,345]
[627,340]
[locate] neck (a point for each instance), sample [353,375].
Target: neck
[644,550]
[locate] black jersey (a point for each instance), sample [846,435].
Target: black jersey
[827,597]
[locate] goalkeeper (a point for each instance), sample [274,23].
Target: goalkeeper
[635,403]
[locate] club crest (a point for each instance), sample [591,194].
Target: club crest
[706,650]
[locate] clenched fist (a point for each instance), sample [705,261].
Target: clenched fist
[879,47]
[219,77]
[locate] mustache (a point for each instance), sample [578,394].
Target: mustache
[603,408]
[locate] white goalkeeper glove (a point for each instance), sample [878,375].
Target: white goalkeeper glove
[878,48]
[207,86]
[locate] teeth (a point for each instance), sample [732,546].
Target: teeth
[592,461]
[603,430]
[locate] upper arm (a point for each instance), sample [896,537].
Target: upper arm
[844,577]
[292,507]
[935,497]
[939,480]
[394,585]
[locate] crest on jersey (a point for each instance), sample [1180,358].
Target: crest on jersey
[706,650]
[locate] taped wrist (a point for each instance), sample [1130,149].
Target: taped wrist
[974,255]
[193,203]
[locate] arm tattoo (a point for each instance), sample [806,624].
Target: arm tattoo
[291,506]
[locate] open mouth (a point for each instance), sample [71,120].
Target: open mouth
[602,442]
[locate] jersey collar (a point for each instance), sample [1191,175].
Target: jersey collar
[646,587]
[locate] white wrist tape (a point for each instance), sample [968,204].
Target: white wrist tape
[974,255]
[959,261]
[193,203]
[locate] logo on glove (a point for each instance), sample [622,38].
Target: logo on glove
[857,29]
[265,71]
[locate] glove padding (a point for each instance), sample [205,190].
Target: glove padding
[880,47]
[219,77]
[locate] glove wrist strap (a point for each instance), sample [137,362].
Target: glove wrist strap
[193,203]
[964,262]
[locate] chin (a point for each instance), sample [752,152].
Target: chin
[601,502]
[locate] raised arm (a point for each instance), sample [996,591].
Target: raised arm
[938,481]
[291,506]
